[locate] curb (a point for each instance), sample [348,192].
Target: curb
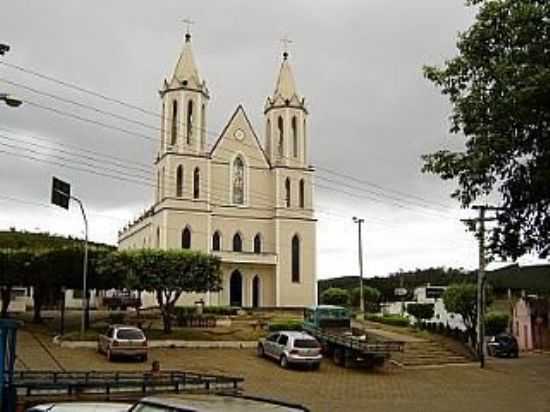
[190,344]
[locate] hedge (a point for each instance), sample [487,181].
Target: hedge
[290,325]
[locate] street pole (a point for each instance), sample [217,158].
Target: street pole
[480,289]
[360,249]
[85,303]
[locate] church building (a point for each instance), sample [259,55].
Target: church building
[250,204]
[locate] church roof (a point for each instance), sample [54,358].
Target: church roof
[285,86]
[186,69]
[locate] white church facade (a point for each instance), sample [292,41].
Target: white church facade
[251,204]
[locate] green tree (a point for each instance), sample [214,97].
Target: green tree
[421,311]
[335,296]
[169,274]
[371,297]
[499,89]
[461,298]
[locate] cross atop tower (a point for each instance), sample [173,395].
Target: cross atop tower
[286,41]
[188,23]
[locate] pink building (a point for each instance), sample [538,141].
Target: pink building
[531,325]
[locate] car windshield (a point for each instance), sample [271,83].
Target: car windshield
[306,343]
[129,334]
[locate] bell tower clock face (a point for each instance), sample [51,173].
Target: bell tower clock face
[239,134]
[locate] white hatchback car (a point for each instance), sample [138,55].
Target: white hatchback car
[122,340]
[291,348]
[82,407]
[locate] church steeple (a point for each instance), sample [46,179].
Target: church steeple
[286,116]
[186,70]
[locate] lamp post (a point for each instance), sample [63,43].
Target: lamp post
[10,101]
[361,298]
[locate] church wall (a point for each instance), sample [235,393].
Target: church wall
[302,293]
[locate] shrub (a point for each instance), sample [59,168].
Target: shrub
[335,296]
[421,311]
[393,320]
[290,325]
[370,295]
[221,310]
[495,323]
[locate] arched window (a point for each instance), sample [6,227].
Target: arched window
[280,128]
[189,121]
[237,243]
[158,237]
[238,181]
[287,192]
[174,129]
[203,126]
[258,243]
[196,183]
[179,181]
[186,238]
[296,259]
[294,137]
[216,241]
[302,194]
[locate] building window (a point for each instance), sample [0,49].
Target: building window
[174,130]
[158,237]
[287,192]
[238,181]
[216,241]
[280,127]
[302,194]
[294,137]
[268,134]
[186,238]
[296,259]
[237,243]
[196,183]
[258,243]
[203,126]
[179,181]
[189,121]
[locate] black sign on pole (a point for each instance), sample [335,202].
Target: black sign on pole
[61,193]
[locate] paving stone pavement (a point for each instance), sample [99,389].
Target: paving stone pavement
[505,385]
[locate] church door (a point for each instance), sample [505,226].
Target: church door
[236,289]
[256,291]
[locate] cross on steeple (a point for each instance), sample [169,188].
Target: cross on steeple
[286,41]
[188,23]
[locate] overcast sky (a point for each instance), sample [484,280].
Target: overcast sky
[358,63]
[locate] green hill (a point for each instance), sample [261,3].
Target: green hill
[13,239]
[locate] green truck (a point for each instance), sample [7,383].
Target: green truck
[331,325]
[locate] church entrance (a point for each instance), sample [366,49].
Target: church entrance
[256,291]
[236,289]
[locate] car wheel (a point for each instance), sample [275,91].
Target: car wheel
[338,356]
[284,362]
[260,351]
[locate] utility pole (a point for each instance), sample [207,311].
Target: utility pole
[481,295]
[361,297]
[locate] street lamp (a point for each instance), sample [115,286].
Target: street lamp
[10,101]
[359,222]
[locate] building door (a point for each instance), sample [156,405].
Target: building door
[256,291]
[236,289]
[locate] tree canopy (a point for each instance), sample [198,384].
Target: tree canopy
[499,90]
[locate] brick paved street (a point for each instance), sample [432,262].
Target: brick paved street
[506,385]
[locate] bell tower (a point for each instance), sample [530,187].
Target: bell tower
[183,125]
[286,121]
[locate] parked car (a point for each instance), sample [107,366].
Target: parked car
[291,348]
[122,340]
[503,345]
[81,407]
[213,403]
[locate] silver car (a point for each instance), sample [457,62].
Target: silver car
[291,348]
[81,407]
[122,340]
